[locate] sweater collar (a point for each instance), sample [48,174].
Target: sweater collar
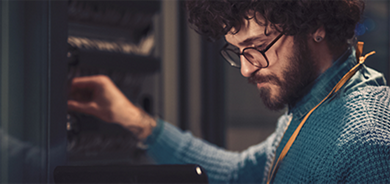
[321,87]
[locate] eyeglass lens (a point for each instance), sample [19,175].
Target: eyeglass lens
[255,57]
[252,55]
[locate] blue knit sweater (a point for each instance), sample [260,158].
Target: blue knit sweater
[346,139]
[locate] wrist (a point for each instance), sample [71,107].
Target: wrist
[156,131]
[149,124]
[139,123]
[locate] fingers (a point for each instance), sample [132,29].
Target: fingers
[92,95]
[99,96]
[87,108]
[90,82]
[83,89]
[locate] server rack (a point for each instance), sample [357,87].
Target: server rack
[117,39]
[38,59]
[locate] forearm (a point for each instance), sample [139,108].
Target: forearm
[169,145]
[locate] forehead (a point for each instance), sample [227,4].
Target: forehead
[251,29]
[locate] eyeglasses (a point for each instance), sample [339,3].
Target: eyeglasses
[255,56]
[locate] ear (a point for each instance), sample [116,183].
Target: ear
[319,34]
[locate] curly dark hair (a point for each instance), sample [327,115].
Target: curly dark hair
[215,18]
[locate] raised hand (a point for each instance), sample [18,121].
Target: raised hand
[98,96]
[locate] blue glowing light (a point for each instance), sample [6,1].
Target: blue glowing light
[368,25]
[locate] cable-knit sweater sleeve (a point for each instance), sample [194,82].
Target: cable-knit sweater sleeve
[172,146]
[362,153]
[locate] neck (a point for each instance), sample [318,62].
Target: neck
[321,59]
[322,55]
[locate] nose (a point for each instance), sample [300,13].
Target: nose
[246,67]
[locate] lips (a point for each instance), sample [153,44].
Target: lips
[257,79]
[260,85]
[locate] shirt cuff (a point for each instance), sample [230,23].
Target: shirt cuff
[154,136]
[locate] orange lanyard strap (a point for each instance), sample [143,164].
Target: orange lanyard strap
[343,80]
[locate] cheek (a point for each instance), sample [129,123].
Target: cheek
[282,60]
[280,57]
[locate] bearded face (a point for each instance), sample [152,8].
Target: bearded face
[290,65]
[288,88]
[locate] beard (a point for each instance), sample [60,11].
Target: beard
[298,75]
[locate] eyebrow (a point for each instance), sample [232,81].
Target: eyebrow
[250,40]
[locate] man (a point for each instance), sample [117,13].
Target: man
[298,53]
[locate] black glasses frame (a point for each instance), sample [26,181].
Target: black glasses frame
[234,63]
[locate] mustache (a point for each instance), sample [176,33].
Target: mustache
[255,79]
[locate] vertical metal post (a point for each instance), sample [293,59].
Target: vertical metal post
[4,88]
[170,60]
[32,89]
[183,69]
[213,93]
[56,82]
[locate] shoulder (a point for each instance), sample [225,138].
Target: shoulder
[362,150]
[369,103]
[372,101]
[369,93]
[357,109]
[364,113]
